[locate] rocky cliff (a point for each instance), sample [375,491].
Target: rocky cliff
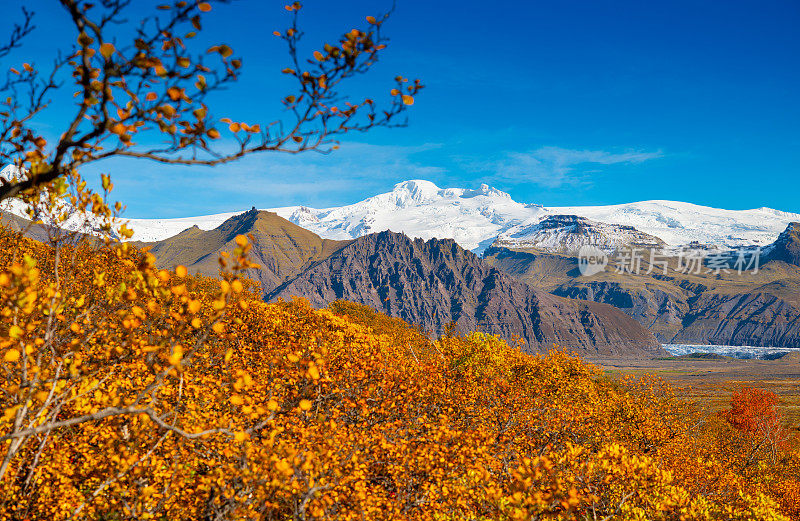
[433,283]
[787,247]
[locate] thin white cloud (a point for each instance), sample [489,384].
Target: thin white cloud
[355,166]
[355,171]
[555,167]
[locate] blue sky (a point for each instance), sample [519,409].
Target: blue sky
[558,103]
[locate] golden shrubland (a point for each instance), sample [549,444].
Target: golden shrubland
[136,393]
[132,392]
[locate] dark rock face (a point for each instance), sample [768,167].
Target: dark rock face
[660,311]
[435,282]
[705,317]
[758,319]
[787,247]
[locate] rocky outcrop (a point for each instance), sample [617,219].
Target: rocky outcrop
[763,317]
[787,247]
[568,233]
[437,282]
[755,319]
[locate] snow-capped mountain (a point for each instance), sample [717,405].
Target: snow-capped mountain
[678,223]
[61,213]
[475,218]
[568,233]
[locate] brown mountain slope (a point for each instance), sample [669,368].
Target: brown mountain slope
[282,248]
[40,232]
[13,223]
[435,282]
[761,309]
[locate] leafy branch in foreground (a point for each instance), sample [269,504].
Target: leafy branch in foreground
[142,91]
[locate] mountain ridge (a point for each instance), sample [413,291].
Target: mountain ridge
[282,248]
[476,217]
[753,308]
[435,282]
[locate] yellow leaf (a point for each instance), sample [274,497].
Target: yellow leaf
[174,93]
[12,355]
[408,100]
[177,355]
[15,332]
[107,50]
[167,110]
[204,6]
[305,404]
[181,271]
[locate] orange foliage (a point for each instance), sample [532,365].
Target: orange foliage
[753,412]
[131,392]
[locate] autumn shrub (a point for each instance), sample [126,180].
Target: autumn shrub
[132,392]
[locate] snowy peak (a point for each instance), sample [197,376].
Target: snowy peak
[417,192]
[485,190]
[420,209]
[414,192]
[568,233]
